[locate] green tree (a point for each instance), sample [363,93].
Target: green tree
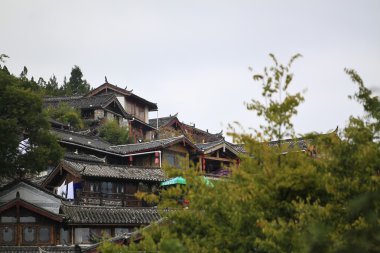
[76,84]
[303,204]
[66,114]
[112,132]
[279,106]
[22,119]
[52,87]
[2,60]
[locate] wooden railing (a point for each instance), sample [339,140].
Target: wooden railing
[118,199]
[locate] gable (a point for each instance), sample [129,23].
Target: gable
[31,195]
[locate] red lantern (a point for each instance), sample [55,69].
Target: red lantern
[130,160]
[156,158]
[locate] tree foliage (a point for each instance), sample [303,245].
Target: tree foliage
[76,84]
[279,105]
[303,204]
[66,114]
[52,87]
[112,132]
[22,119]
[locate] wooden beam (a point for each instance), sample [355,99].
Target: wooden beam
[219,159]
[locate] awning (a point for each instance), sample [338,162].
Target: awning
[181,180]
[176,180]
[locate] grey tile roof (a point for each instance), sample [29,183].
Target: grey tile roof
[36,249]
[208,145]
[80,139]
[38,180]
[13,182]
[108,86]
[109,215]
[95,143]
[239,147]
[162,121]
[83,157]
[101,101]
[81,102]
[145,146]
[297,144]
[117,171]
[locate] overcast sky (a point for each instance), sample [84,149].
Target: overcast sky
[192,57]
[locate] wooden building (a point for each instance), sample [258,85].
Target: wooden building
[29,215]
[217,158]
[137,107]
[104,184]
[171,126]
[147,154]
[32,217]
[100,108]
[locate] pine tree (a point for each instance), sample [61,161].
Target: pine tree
[76,84]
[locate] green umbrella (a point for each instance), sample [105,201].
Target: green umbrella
[176,180]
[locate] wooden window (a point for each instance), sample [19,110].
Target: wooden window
[120,231]
[107,189]
[27,219]
[7,235]
[96,234]
[119,188]
[141,113]
[44,234]
[82,235]
[93,187]
[8,219]
[131,188]
[29,234]
[64,238]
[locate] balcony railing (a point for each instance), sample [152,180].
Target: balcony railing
[117,199]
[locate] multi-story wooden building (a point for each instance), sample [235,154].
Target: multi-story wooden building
[137,107]
[92,192]
[32,216]
[170,126]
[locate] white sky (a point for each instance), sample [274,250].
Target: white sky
[192,57]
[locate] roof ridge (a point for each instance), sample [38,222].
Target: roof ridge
[112,165]
[154,141]
[79,134]
[109,207]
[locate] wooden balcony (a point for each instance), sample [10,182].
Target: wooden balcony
[114,199]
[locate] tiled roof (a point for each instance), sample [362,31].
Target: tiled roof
[13,182]
[83,157]
[109,215]
[81,102]
[162,121]
[210,136]
[298,144]
[97,144]
[119,172]
[208,145]
[37,249]
[239,147]
[38,180]
[145,146]
[101,101]
[83,140]
[214,144]
[152,106]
